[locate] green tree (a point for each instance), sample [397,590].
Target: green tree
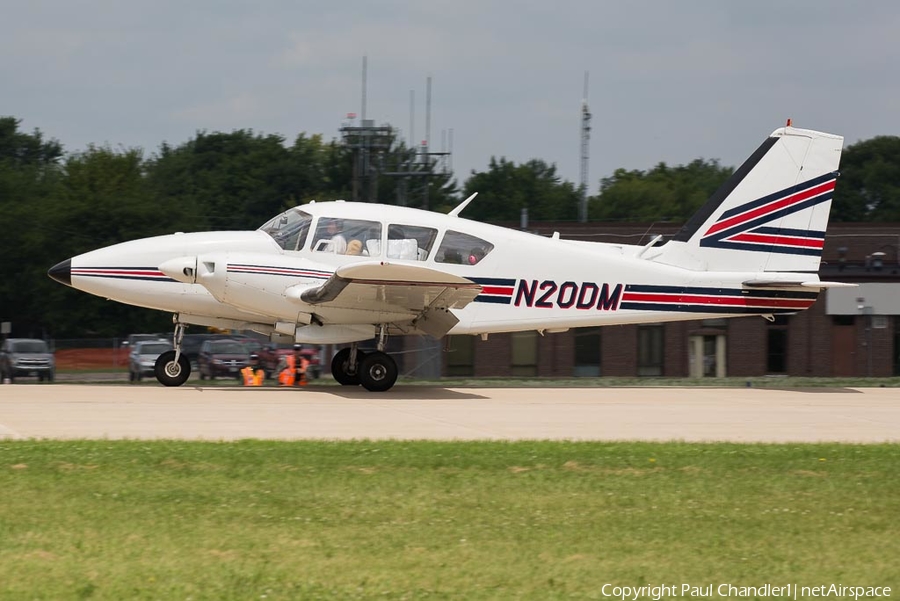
[240,179]
[30,172]
[506,188]
[102,200]
[317,171]
[869,186]
[660,194]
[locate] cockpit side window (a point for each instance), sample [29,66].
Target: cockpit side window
[410,242]
[347,237]
[462,249]
[290,229]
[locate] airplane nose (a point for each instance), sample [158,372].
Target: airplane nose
[62,272]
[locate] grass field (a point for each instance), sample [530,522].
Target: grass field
[401,520]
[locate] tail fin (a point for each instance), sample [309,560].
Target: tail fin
[772,212]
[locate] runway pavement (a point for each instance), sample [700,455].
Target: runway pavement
[412,412]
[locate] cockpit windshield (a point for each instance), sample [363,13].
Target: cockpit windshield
[289,229]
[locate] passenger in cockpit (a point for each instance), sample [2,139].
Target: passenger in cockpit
[354,247]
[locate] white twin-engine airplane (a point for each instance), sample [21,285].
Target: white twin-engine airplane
[344,272]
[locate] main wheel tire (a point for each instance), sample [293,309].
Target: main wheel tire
[377,372]
[170,373]
[341,370]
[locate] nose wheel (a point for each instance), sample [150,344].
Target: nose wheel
[172,368]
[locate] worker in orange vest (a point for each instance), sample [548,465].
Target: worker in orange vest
[253,375]
[301,364]
[287,370]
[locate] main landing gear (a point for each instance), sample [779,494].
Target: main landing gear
[376,371]
[172,368]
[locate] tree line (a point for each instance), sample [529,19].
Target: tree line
[56,204]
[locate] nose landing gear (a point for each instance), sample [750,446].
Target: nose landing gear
[172,368]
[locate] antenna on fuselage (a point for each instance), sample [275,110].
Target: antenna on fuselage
[456,211]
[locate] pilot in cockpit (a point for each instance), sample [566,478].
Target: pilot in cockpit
[337,244]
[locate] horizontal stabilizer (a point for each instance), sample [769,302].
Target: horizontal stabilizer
[803,284]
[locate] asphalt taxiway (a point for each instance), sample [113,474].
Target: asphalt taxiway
[418,413]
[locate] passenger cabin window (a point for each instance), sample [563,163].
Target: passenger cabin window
[290,229]
[462,249]
[410,242]
[348,237]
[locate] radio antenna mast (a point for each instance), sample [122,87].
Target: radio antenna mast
[585,152]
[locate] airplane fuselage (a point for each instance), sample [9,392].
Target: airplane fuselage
[528,282]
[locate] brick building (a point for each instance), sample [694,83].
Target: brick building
[847,332]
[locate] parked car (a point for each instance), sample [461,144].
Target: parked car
[26,357]
[271,354]
[191,344]
[143,356]
[222,357]
[251,344]
[133,339]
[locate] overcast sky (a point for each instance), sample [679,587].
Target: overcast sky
[669,81]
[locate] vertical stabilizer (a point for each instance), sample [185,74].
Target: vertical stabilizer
[771,214]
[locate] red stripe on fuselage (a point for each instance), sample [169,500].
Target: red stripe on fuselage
[727,301]
[145,273]
[501,290]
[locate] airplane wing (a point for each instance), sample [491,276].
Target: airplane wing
[425,294]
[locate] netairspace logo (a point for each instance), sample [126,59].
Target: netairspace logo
[763,591]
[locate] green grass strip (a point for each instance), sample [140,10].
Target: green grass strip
[430,520]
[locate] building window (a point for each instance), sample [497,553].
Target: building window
[587,353]
[524,354]
[776,351]
[896,349]
[710,356]
[460,356]
[650,351]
